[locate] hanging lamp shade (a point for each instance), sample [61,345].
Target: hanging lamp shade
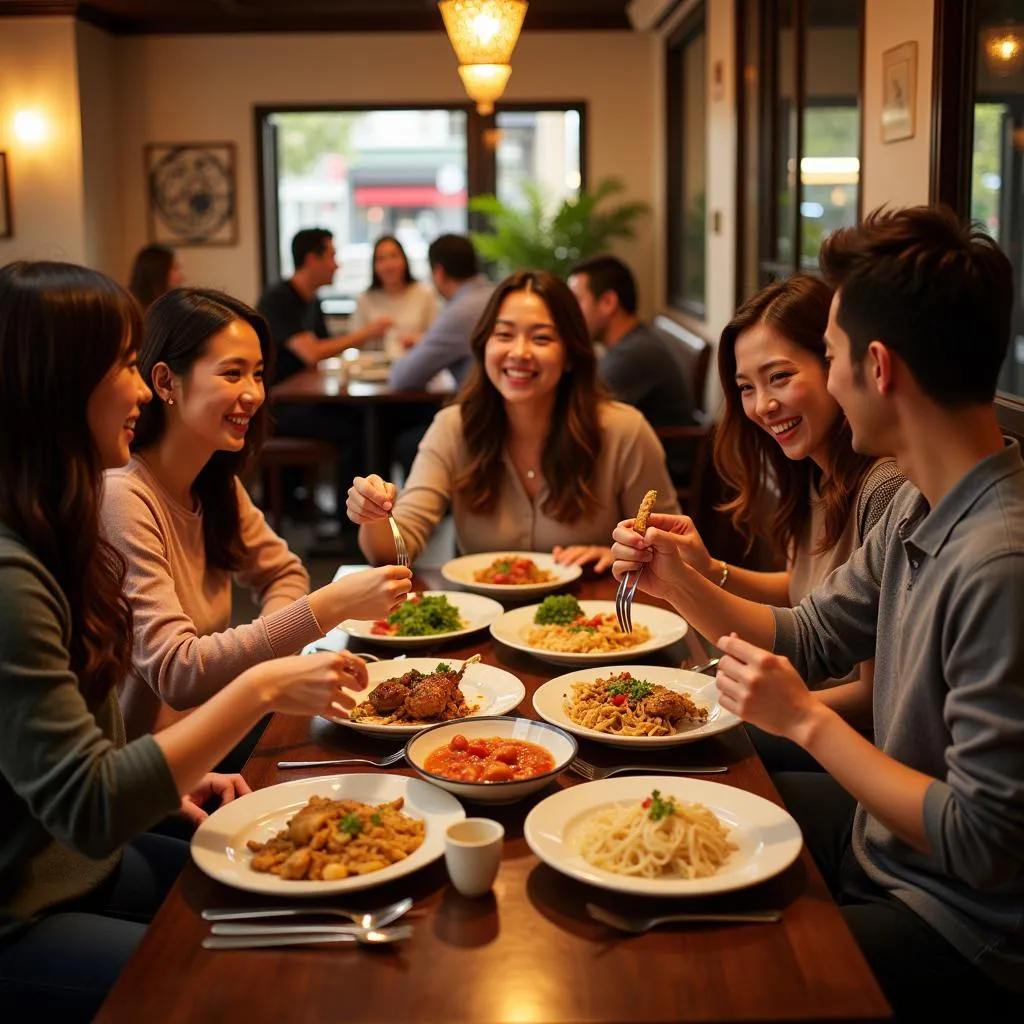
[1004,49]
[483,34]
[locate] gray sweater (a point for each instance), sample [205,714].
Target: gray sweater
[71,792]
[937,596]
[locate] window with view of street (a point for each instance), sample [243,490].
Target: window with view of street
[402,172]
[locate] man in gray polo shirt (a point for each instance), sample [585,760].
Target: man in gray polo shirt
[921,835]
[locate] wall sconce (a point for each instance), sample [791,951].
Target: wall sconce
[483,34]
[1003,48]
[30,127]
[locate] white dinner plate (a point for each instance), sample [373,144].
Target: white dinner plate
[219,844]
[549,702]
[493,690]
[768,838]
[476,611]
[666,628]
[460,572]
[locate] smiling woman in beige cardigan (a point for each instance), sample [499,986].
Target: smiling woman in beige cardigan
[185,524]
[534,456]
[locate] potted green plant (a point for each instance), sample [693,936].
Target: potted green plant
[535,236]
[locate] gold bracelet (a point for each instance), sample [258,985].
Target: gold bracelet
[725,574]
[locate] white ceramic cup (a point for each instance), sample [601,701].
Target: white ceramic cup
[472,853]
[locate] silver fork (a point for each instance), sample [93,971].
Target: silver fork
[637,925]
[401,550]
[382,763]
[593,772]
[624,599]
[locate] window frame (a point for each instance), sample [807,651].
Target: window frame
[954,93]
[481,162]
[692,26]
[768,266]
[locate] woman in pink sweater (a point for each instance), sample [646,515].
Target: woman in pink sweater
[185,524]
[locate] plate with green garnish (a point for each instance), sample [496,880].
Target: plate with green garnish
[634,705]
[427,618]
[565,631]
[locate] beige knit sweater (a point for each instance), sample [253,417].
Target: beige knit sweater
[631,463]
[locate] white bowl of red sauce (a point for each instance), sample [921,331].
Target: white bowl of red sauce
[491,760]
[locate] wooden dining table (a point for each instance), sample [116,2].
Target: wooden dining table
[376,401]
[527,952]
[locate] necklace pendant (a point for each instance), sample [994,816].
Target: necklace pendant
[530,474]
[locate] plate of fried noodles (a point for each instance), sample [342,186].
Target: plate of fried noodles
[634,705]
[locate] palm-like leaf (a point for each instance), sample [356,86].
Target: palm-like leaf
[531,237]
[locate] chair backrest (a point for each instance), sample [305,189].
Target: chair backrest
[693,350]
[1010,414]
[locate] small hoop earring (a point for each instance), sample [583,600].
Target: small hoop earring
[170,401]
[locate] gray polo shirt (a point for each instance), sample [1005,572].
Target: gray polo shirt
[937,597]
[445,344]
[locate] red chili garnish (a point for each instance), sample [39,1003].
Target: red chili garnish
[619,699]
[646,803]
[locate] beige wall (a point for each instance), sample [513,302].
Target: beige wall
[194,88]
[97,88]
[897,173]
[38,71]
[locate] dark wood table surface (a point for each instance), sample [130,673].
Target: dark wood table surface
[528,952]
[374,400]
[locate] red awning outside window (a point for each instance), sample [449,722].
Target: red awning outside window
[407,195]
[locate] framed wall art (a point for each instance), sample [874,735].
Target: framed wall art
[6,220]
[899,92]
[191,193]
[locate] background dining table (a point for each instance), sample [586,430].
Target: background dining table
[528,952]
[335,383]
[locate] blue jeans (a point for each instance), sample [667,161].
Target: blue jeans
[64,965]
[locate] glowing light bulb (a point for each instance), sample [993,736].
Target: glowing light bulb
[486,27]
[30,127]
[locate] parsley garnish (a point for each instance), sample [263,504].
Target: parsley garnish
[443,666]
[352,824]
[660,808]
[558,609]
[375,819]
[635,689]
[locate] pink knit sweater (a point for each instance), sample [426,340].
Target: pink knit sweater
[184,649]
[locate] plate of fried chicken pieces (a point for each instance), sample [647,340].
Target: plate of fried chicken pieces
[410,694]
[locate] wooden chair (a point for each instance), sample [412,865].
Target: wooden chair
[280,453]
[692,349]
[695,354]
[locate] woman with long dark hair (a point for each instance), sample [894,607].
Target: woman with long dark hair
[533,456]
[185,524]
[78,875]
[781,431]
[394,294]
[155,271]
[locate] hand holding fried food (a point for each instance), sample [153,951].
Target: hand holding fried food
[644,512]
